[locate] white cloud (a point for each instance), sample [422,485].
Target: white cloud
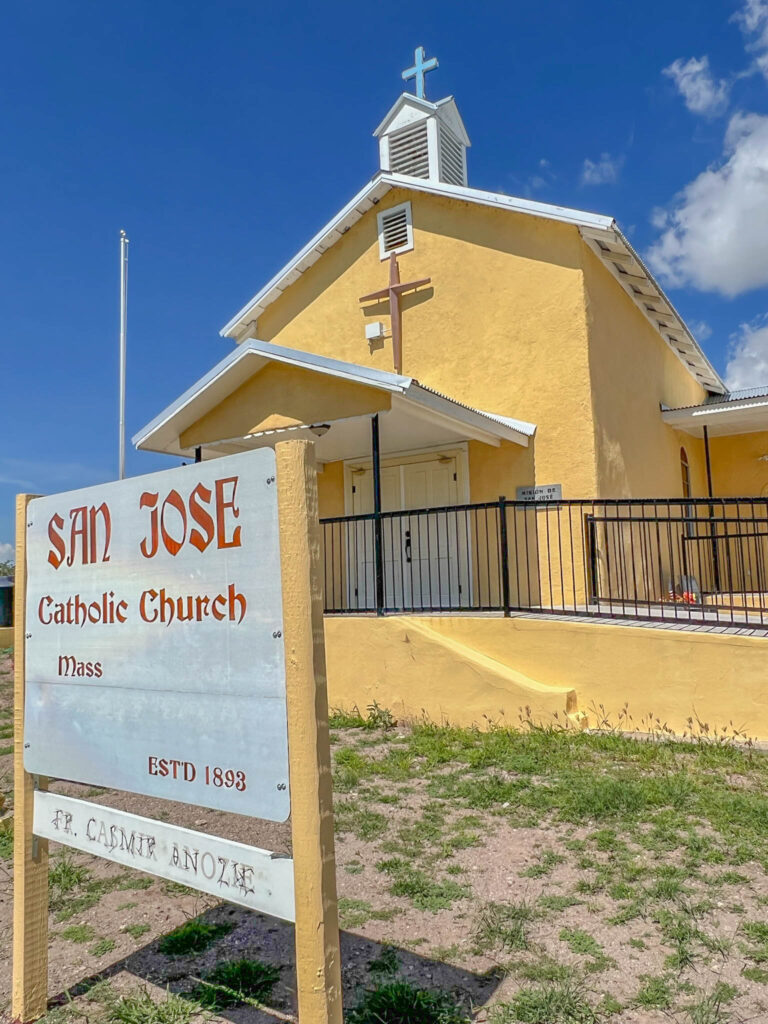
[604,171]
[748,356]
[7,552]
[701,330]
[753,21]
[701,92]
[714,236]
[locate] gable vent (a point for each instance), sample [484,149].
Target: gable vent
[395,230]
[408,151]
[451,158]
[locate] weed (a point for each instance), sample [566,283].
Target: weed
[65,876]
[353,913]
[503,926]
[555,1003]
[386,963]
[126,906]
[363,823]
[135,930]
[399,1002]
[102,947]
[193,936]
[340,719]
[140,1008]
[558,903]
[757,933]
[6,839]
[655,992]
[709,1009]
[235,982]
[414,884]
[583,943]
[544,969]
[759,974]
[79,933]
[171,888]
[547,862]
[379,718]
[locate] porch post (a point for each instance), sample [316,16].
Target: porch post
[504,544]
[377,538]
[712,521]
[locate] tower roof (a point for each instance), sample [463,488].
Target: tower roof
[408,108]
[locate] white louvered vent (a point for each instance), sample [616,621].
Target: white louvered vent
[409,152]
[395,230]
[451,158]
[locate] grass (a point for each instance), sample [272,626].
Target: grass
[422,891]
[194,936]
[235,982]
[503,926]
[581,942]
[561,1002]
[6,839]
[101,947]
[65,876]
[655,992]
[68,901]
[135,930]
[400,1002]
[140,1008]
[354,913]
[79,933]
[547,862]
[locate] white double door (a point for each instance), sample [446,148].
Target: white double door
[425,565]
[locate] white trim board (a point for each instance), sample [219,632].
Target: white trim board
[232,871]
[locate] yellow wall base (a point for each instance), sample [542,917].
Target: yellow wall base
[469,670]
[404,665]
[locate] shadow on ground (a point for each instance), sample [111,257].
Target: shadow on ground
[259,937]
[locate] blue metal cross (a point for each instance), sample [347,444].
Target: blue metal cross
[419,69]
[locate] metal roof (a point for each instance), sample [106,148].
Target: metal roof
[740,395]
[601,233]
[163,432]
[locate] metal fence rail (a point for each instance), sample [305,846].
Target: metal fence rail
[682,560]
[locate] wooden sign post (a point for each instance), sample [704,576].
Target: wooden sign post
[248,763]
[318,960]
[30,855]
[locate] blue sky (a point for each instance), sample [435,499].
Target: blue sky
[222,135]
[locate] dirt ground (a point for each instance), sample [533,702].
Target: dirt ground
[543,878]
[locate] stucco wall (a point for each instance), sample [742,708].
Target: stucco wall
[281,396]
[502,326]
[673,674]
[737,469]
[632,371]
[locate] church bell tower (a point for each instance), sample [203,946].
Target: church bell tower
[422,139]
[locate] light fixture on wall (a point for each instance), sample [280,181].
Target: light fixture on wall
[319,429]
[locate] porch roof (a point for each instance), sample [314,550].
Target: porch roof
[739,412]
[417,416]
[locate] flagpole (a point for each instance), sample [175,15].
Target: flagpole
[123,330]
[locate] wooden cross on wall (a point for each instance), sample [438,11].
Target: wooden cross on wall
[393,291]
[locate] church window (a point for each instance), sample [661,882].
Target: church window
[395,230]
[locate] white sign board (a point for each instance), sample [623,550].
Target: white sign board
[154,652]
[232,871]
[542,492]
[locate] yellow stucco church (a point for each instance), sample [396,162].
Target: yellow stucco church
[534,488]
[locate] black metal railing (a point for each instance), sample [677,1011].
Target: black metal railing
[684,560]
